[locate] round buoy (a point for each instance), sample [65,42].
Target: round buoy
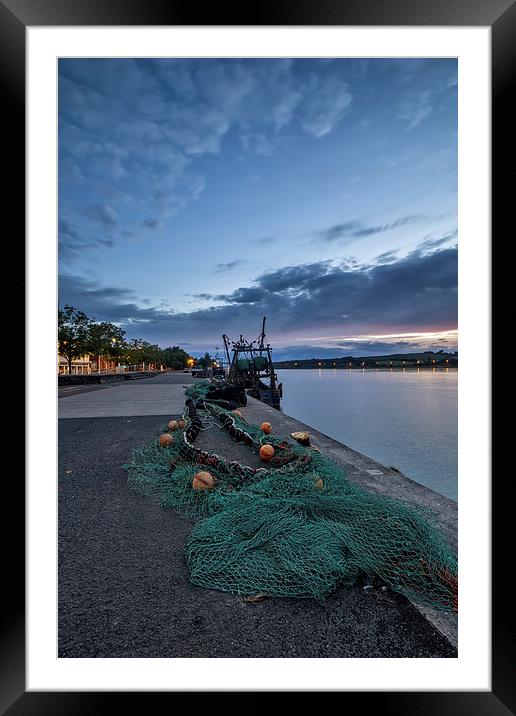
[181,424]
[319,484]
[203,481]
[266,428]
[266,452]
[165,440]
[172,425]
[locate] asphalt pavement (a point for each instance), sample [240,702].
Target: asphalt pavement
[123,580]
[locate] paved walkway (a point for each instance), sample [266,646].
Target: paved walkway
[160,395]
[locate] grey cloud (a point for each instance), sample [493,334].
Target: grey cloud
[258,142]
[101,213]
[434,244]
[357,229]
[151,223]
[106,303]
[264,240]
[353,349]
[194,103]
[338,231]
[415,108]
[203,296]
[372,347]
[72,241]
[132,129]
[416,293]
[67,231]
[294,278]
[244,295]
[300,352]
[325,106]
[387,257]
[417,104]
[229,266]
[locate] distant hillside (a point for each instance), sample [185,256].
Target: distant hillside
[395,360]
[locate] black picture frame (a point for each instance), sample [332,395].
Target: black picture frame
[15,17]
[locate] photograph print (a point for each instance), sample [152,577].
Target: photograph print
[257,358]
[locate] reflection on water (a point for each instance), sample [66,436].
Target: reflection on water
[403,418]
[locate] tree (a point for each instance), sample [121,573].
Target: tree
[105,339]
[72,333]
[206,361]
[175,357]
[143,352]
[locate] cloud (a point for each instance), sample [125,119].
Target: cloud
[415,108]
[72,241]
[356,348]
[357,229]
[102,214]
[151,223]
[107,303]
[426,92]
[387,257]
[132,131]
[244,295]
[324,106]
[415,293]
[431,243]
[222,268]
[264,240]
[258,142]
[203,296]
[306,351]
[386,347]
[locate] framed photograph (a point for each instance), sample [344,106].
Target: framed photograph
[282,218]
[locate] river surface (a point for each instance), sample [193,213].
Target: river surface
[403,419]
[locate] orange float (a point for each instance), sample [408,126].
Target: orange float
[266,452]
[266,428]
[165,440]
[203,481]
[181,424]
[172,425]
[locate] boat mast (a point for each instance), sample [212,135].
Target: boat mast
[262,336]
[226,346]
[267,348]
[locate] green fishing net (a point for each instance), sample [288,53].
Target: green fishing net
[296,527]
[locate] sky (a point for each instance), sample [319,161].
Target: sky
[198,195]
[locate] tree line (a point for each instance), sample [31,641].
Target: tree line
[80,335]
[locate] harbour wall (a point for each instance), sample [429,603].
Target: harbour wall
[95,378]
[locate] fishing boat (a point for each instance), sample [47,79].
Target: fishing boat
[251,367]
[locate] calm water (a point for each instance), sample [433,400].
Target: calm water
[406,420]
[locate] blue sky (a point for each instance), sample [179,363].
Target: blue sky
[196,196]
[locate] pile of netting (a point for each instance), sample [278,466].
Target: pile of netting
[296,527]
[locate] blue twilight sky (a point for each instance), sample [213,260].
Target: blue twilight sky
[196,196]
